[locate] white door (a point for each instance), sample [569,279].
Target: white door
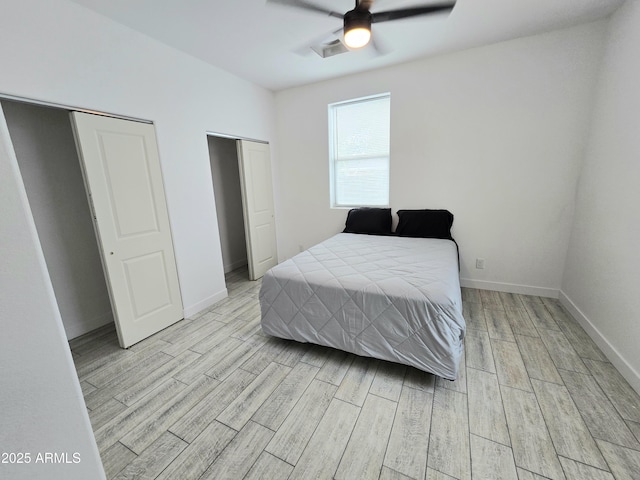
[121,168]
[257,202]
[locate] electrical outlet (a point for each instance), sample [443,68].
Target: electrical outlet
[480,263]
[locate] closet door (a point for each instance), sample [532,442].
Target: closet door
[121,168]
[257,202]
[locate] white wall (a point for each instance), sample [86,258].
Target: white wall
[225,173]
[59,52]
[601,284]
[40,397]
[494,134]
[43,142]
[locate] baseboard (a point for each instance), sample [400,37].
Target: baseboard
[626,370]
[235,265]
[77,330]
[206,303]
[509,288]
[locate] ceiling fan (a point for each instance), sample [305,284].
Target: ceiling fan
[357,22]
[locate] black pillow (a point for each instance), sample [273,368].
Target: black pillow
[373,221]
[424,223]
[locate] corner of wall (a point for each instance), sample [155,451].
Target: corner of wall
[51,414]
[610,351]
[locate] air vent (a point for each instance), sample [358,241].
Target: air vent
[330,49]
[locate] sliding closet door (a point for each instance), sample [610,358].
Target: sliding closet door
[257,195]
[122,174]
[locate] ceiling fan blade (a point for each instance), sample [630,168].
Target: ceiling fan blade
[306,6]
[379,46]
[409,12]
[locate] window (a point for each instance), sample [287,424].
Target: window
[359,152]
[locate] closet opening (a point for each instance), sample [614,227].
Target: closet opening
[45,148]
[96,194]
[243,191]
[225,175]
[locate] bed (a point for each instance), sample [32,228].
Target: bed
[390,297]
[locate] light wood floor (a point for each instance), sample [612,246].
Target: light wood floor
[213,398]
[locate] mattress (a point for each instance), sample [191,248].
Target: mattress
[387,297]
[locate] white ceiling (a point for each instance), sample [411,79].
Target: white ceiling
[267,44]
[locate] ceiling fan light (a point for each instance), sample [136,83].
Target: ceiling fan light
[357,28]
[357,37]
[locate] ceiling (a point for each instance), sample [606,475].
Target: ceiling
[268,44]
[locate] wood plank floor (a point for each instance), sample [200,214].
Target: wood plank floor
[212,397]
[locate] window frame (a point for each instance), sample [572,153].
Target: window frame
[333,155]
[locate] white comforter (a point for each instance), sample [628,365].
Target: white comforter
[392,298]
